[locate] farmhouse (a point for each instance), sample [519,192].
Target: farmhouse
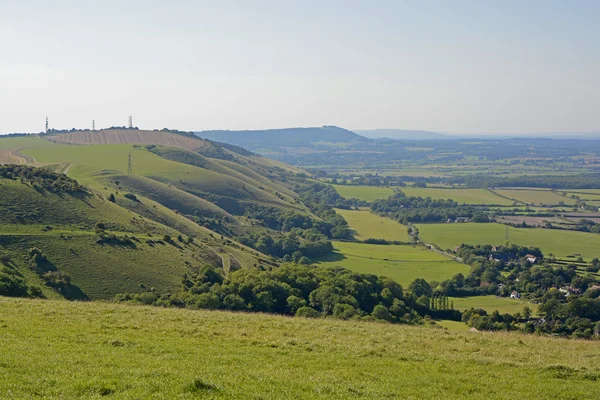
[515,295]
[499,257]
[531,259]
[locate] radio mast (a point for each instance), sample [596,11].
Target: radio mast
[46,124]
[130,122]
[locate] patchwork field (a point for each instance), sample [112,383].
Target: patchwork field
[535,196]
[402,263]
[90,350]
[559,242]
[368,225]
[367,193]
[462,196]
[504,305]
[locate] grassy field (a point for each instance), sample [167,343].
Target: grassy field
[463,196]
[91,350]
[367,193]
[368,225]
[504,305]
[402,263]
[560,243]
[535,196]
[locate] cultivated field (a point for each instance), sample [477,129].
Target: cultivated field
[462,196]
[559,242]
[535,196]
[367,193]
[504,305]
[90,350]
[368,225]
[129,136]
[401,263]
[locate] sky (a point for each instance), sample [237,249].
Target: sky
[447,66]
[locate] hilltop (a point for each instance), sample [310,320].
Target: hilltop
[270,138]
[88,350]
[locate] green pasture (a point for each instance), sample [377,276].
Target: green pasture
[402,263]
[535,196]
[368,225]
[561,243]
[504,305]
[367,193]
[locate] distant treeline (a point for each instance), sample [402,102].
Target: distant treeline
[581,181]
[407,209]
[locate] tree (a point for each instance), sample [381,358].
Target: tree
[381,312]
[111,198]
[307,312]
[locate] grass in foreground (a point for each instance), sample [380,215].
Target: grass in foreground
[367,193]
[90,350]
[368,225]
[401,263]
[560,243]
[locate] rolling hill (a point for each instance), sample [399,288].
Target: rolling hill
[113,230]
[295,137]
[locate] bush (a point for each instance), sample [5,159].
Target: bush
[234,302]
[307,312]
[381,312]
[131,196]
[343,311]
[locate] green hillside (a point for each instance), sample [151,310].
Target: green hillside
[103,247]
[90,350]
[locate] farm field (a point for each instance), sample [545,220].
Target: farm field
[559,242]
[491,303]
[402,263]
[368,225]
[89,350]
[535,196]
[366,193]
[463,196]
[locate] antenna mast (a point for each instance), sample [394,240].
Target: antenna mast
[129,168]
[93,124]
[130,122]
[46,124]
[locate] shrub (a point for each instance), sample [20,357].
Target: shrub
[111,198]
[307,312]
[381,312]
[343,311]
[131,196]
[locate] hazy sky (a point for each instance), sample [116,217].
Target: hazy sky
[453,66]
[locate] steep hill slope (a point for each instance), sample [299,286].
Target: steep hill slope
[50,228]
[89,350]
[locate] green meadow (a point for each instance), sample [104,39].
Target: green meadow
[561,243]
[82,350]
[504,305]
[367,193]
[535,196]
[368,225]
[402,263]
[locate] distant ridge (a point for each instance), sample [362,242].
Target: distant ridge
[401,134]
[253,139]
